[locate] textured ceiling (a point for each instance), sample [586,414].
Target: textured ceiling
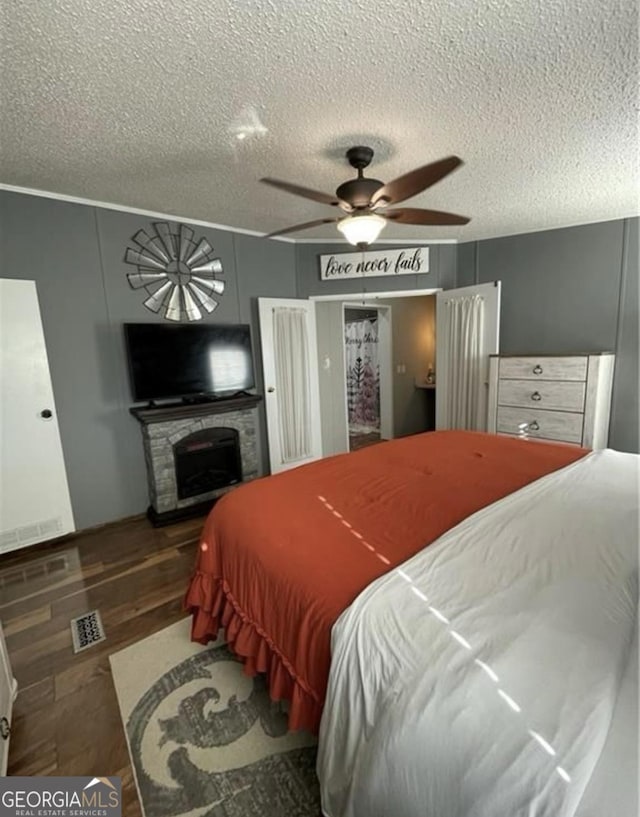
[139,103]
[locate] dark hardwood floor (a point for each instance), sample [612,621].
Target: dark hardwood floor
[66,719]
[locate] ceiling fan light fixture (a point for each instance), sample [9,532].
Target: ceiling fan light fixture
[361,228]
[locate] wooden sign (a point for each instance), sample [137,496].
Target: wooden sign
[408,261]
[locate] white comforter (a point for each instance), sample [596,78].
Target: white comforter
[480,679]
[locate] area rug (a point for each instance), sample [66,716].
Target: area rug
[205,740]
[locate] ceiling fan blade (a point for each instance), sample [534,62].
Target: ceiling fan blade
[307,193]
[306,226]
[414,215]
[414,182]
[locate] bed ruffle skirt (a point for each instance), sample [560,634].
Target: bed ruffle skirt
[212,606]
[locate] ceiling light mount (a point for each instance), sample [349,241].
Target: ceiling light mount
[360,157]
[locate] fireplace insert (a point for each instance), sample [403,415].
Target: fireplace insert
[207,460]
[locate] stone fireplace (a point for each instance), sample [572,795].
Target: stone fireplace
[196,453]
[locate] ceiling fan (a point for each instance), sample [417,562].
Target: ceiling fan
[365,201]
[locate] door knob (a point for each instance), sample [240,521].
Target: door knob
[270,389]
[46,414]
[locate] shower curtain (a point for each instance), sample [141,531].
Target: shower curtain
[363,375]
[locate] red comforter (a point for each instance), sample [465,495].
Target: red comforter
[282,557]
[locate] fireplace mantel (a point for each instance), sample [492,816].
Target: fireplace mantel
[181,411]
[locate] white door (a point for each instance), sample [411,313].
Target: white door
[8,691]
[292,393]
[34,496]
[467,332]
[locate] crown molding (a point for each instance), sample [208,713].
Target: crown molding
[122,208]
[138,211]
[411,242]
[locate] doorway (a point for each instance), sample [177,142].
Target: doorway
[366,332]
[406,353]
[417,390]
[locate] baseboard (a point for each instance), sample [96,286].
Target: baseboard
[159,520]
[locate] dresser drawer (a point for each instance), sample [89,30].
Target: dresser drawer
[544,368]
[550,425]
[561,395]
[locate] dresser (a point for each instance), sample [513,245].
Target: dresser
[565,398]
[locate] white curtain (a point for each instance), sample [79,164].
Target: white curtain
[363,374]
[291,345]
[466,371]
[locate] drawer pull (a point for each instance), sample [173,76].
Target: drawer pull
[536,396]
[524,428]
[537,369]
[5,729]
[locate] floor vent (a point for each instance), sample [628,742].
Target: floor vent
[87,630]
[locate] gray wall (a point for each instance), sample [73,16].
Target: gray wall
[569,290]
[563,291]
[333,412]
[625,419]
[75,254]
[413,330]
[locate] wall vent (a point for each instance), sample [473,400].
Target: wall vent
[9,538]
[30,534]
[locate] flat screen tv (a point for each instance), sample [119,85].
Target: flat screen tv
[208,360]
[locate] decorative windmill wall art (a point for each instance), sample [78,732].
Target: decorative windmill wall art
[177,272]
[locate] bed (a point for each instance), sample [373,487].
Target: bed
[281,558]
[495,672]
